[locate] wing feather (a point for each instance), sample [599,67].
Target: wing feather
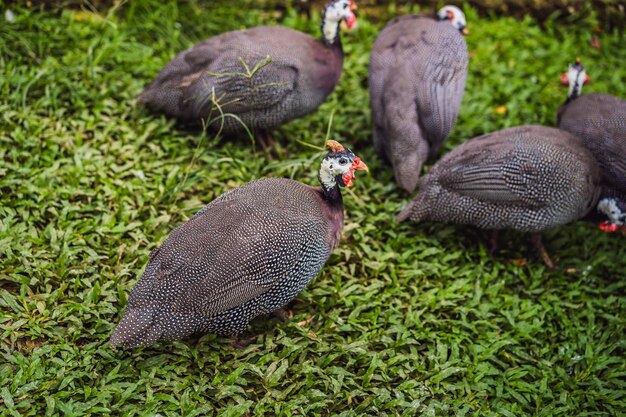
[443,83]
[237,92]
[505,176]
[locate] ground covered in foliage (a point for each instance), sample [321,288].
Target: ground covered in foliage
[404,320]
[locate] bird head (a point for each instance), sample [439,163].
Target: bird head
[575,78]
[338,10]
[455,16]
[338,166]
[615,210]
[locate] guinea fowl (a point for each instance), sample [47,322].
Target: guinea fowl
[527,178]
[294,74]
[417,72]
[599,120]
[248,252]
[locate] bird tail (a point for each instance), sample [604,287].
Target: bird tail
[416,210]
[137,327]
[405,213]
[144,97]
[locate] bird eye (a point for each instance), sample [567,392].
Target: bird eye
[343,161]
[345,5]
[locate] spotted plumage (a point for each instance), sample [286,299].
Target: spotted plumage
[527,178]
[248,252]
[303,71]
[599,120]
[417,72]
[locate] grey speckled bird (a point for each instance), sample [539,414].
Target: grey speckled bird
[248,252]
[599,120]
[417,77]
[303,71]
[527,178]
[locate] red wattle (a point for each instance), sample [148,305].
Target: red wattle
[350,20]
[347,178]
[608,227]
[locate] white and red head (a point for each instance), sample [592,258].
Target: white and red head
[615,211]
[334,13]
[575,78]
[455,16]
[338,166]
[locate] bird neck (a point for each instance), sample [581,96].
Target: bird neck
[330,32]
[576,86]
[574,91]
[333,195]
[330,187]
[574,94]
[332,206]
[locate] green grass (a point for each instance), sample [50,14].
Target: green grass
[404,320]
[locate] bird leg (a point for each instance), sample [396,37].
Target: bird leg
[536,240]
[283,314]
[264,138]
[493,243]
[239,343]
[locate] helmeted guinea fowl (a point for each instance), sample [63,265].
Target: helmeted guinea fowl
[527,178]
[248,252]
[303,71]
[417,72]
[599,120]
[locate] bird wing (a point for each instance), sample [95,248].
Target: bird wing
[394,58]
[224,64]
[229,253]
[500,175]
[599,121]
[242,82]
[440,89]
[613,154]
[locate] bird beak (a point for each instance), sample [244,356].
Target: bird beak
[465,31]
[352,5]
[358,165]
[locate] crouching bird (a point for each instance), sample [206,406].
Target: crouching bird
[599,121]
[526,178]
[248,252]
[266,76]
[417,72]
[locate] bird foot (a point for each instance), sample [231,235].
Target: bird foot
[238,343]
[283,314]
[266,142]
[493,243]
[538,244]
